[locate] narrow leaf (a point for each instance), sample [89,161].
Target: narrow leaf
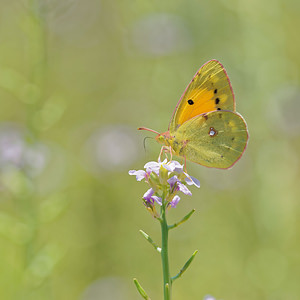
[184,219]
[140,289]
[148,238]
[186,265]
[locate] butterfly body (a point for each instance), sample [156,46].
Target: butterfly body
[205,128]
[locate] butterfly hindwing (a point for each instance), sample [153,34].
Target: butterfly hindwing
[215,139]
[209,90]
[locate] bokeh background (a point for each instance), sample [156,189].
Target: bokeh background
[76,80]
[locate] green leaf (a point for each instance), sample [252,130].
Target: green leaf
[184,219]
[186,265]
[140,289]
[148,238]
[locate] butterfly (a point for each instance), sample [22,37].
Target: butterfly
[205,127]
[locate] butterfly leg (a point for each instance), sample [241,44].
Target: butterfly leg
[160,154]
[171,153]
[166,150]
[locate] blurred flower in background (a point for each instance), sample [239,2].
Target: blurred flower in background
[71,20]
[108,288]
[283,111]
[209,297]
[16,152]
[111,148]
[161,34]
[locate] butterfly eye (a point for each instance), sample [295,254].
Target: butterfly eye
[190,102]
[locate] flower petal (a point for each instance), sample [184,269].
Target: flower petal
[157,200]
[183,188]
[178,168]
[168,167]
[140,174]
[152,166]
[173,166]
[175,201]
[147,196]
[172,181]
[190,180]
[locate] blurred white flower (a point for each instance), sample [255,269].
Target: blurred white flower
[71,19]
[11,147]
[284,109]
[111,148]
[161,34]
[107,288]
[16,152]
[209,297]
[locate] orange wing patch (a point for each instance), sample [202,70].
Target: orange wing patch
[199,101]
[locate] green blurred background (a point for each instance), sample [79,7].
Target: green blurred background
[76,80]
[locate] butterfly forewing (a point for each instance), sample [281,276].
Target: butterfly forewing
[209,90]
[215,139]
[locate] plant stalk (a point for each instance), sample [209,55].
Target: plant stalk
[164,254]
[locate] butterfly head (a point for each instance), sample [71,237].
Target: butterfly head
[163,138]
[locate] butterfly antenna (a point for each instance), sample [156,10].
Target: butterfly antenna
[144,128]
[144,141]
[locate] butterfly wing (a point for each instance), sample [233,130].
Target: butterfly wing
[209,90]
[216,139]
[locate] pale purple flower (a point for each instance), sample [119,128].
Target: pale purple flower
[174,201]
[153,166]
[190,180]
[183,188]
[140,174]
[150,198]
[177,185]
[173,166]
[157,199]
[172,181]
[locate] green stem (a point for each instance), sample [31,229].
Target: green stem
[164,253]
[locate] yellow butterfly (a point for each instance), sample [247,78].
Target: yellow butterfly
[205,128]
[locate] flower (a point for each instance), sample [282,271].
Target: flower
[150,199]
[177,185]
[209,297]
[190,180]
[140,174]
[175,201]
[165,180]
